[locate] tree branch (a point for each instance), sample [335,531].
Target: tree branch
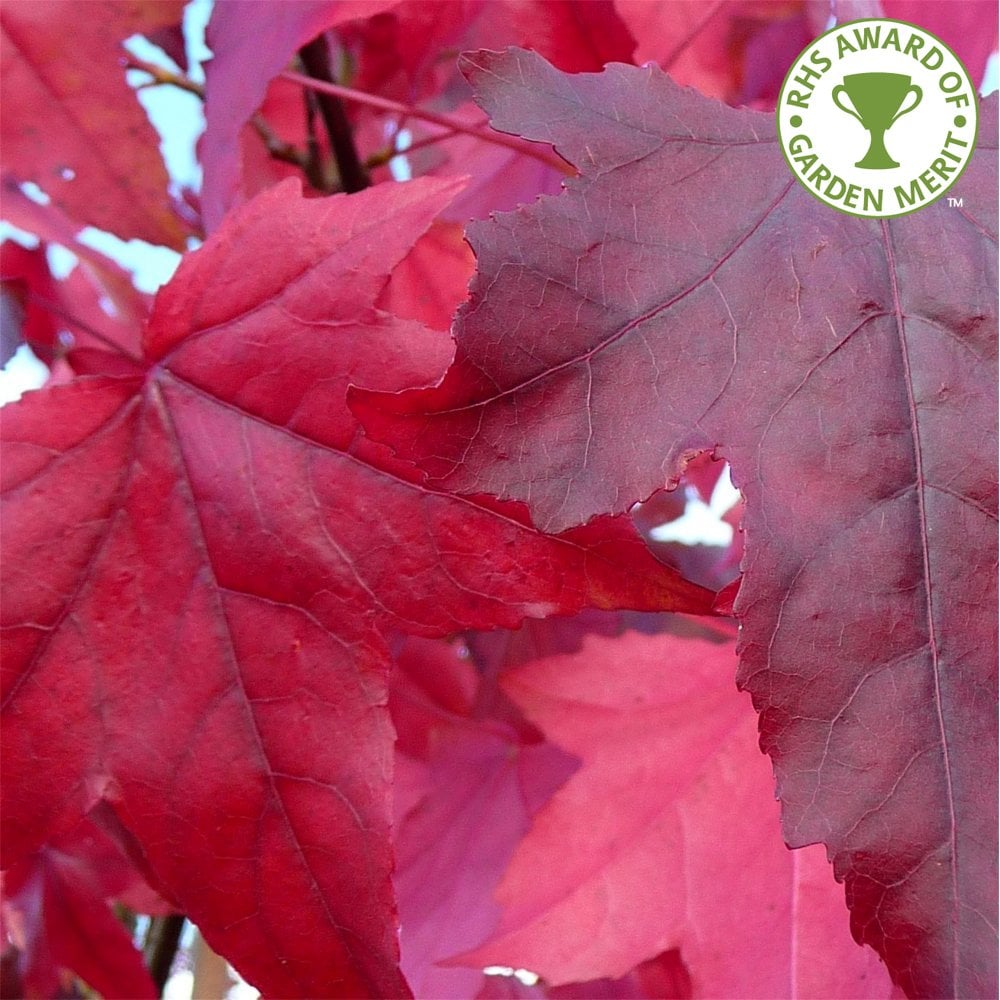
[162,947]
[315,57]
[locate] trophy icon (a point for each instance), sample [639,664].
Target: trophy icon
[877,100]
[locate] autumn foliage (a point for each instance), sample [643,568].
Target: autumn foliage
[330,619]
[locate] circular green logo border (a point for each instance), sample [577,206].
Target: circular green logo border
[796,67]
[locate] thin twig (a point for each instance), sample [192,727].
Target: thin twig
[382,158]
[384,104]
[161,76]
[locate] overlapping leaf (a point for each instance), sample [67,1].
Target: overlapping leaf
[735,50]
[686,294]
[71,123]
[59,899]
[67,317]
[202,557]
[236,79]
[484,780]
[666,836]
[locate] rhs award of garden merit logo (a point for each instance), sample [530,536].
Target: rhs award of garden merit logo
[877,118]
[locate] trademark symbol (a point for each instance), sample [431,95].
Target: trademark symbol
[954,202]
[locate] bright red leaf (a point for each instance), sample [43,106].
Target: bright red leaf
[667,836]
[73,125]
[210,541]
[473,773]
[686,294]
[431,282]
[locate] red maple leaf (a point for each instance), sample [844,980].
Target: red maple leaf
[71,123]
[685,294]
[202,559]
[666,836]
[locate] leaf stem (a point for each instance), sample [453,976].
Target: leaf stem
[452,124]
